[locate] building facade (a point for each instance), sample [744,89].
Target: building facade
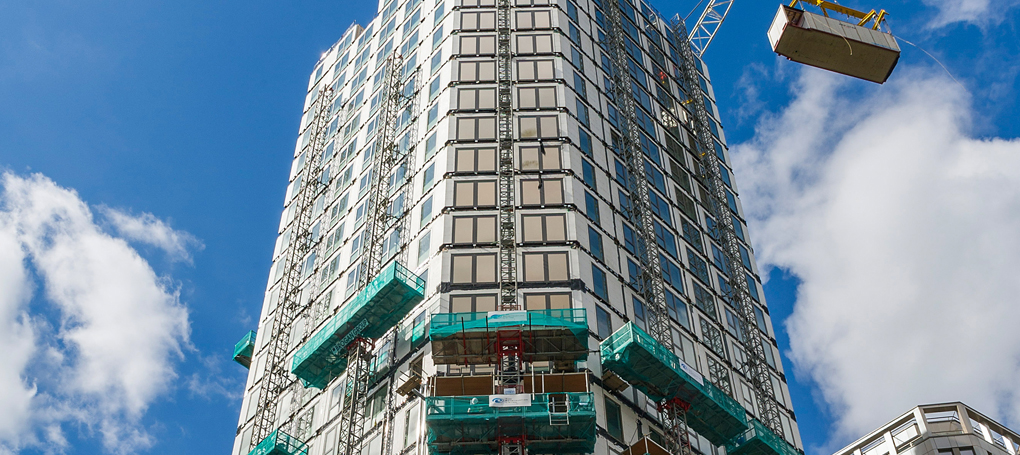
[486,157]
[938,429]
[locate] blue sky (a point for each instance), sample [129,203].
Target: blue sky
[175,121]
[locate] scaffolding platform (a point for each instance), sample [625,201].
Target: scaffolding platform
[759,440]
[554,423]
[244,349]
[651,368]
[834,45]
[280,443]
[470,338]
[387,299]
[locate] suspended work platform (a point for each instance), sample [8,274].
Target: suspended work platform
[471,338]
[759,440]
[244,349]
[387,299]
[549,423]
[280,443]
[651,368]
[835,45]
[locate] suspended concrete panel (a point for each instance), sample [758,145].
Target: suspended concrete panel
[554,423]
[834,45]
[387,299]
[280,443]
[244,349]
[759,440]
[651,368]
[470,338]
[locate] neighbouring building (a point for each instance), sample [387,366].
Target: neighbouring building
[938,429]
[481,195]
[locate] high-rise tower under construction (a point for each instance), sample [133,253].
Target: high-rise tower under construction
[511,227]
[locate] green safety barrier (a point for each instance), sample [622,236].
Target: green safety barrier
[244,349]
[556,334]
[554,423]
[280,443]
[657,372]
[759,440]
[387,299]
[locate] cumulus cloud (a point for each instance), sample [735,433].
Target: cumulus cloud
[98,343]
[148,229]
[903,228]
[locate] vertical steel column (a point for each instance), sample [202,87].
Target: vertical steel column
[277,378]
[673,415]
[711,176]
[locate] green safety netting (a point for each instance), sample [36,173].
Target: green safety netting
[387,299]
[651,368]
[244,349]
[280,443]
[557,334]
[759,440]
[554,423]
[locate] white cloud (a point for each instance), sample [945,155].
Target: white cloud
[148,229]
[982,13]
[99,344]
[903,228]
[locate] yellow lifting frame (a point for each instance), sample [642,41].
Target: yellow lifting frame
[878,16]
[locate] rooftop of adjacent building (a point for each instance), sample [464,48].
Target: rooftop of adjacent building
[938,421]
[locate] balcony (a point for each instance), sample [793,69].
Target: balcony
[470,338]
[654,370]
[280,443]
[759,440]
[244,349]
[553,423]
[387,299]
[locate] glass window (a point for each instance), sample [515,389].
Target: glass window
[476,160]
[544,228]
[471,230]
[476,128]
[599,286]
[478,20]
[585,143]
[433,115]
[472,303]
[434,87]
[478,45]
[476,98]
[546,301]
[533,44]
[478,71]
[542,192]
[591,207]
[536,97]
[580,86]
[535,70]
[473,268]
[426,211]
[582,112]
[541,267]
[540,158]
[538,126]
[530,20]
[588,174]
[428,176]
[437,61]
[595,244]
[480,193]
[424,247]
[614,422]
[605,323]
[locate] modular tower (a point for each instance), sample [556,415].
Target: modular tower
[511,227]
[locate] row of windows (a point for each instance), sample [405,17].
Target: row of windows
[480,268]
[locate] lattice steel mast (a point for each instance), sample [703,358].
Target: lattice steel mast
[710,174]
[277,377]
[510,372]
[672,412]
[387,156]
